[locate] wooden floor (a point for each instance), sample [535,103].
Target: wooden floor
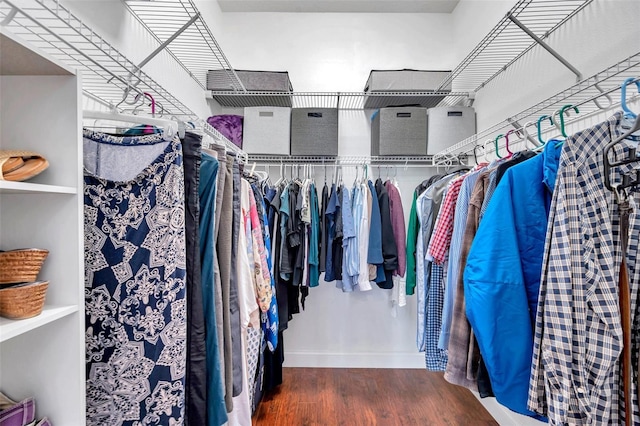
[325,396]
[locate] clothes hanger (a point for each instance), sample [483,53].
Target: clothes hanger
[169,127]
[565,110]
[606,95]
[623,95]
[631,158]
[496,145]
[539,125]
[527,135]
[506,138]
[475,154]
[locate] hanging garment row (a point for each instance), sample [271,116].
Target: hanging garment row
[517,280]
[187,296]
[182,321]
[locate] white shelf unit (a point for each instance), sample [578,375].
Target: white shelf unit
[40,110]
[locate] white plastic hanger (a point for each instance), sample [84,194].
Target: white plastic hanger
[169,127]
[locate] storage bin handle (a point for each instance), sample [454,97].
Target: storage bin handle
[265,113]
[403,114]
[454,113]
[314,114]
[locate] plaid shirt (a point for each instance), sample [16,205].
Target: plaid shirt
[576,373]
[443,230]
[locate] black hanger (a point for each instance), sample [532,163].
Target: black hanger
[631,158]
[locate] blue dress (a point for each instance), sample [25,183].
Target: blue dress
[134,281]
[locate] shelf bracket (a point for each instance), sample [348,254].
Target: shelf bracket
[545,46]
[166,43]
[12,14]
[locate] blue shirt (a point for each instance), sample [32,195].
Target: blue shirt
[314,234]
[453,270]
[348,243]
[502,276]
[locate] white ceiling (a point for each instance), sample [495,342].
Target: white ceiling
[349,6]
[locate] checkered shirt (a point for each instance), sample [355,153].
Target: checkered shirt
[435,358]
[443,230]
[576,373]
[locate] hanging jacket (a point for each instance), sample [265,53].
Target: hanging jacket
[502,276]
[389,248]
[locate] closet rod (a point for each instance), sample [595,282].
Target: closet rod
[414,161]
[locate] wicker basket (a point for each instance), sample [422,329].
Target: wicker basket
[22,301]
[21,266]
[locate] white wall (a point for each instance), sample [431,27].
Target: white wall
[335,52]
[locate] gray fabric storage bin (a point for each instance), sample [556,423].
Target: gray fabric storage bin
[399,131]
[259,81]
[405,80]
[314,131]
[267,130]
[448,126]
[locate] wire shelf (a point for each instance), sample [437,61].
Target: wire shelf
[583,94]
[196,49]
[106,73]
[506,42]
[339,100]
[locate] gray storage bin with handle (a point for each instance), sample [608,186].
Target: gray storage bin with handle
[399,131]
[267,130]
[448,126]
[314,131]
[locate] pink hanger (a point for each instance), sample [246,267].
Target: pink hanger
[506,137]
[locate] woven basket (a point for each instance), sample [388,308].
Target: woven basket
[21,266]
[22,301]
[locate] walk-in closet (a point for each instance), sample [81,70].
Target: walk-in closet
[366,212]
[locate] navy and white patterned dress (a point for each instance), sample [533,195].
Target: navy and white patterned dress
[134,280]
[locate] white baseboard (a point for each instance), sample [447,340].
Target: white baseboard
[354,360]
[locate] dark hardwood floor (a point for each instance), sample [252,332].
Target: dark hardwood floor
[368,397]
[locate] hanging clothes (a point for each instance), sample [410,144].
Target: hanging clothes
[428,297]
[248,309]
[196,371]
[502,275]
[363,230]
[576,370]
[412,234]
[215,403]
[221,300]
[463,366]
[135,279]
[314,239]
[459,223]
[374,256]
[389,248]
[350,262]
